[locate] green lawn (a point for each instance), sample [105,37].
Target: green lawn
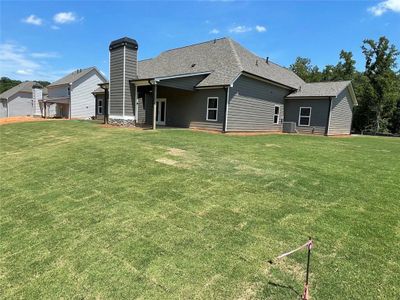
[94,212]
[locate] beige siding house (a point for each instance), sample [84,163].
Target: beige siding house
[72,96]
[22,100]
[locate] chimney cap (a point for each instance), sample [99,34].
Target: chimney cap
[125,41]
[37,86]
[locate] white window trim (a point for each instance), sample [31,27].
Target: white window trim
[278,114]
[303,116]
[216,109]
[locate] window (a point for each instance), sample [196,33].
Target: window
[276,114]
[304,116]
[212,109]
[100,107]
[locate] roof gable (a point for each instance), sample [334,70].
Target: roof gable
[224,58]
[74,76]
[323,89]
[23,87]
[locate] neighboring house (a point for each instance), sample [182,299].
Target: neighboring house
[22,100]
[220,85]
[71,96]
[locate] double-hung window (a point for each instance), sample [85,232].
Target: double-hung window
[304,116]
[212,109]
[276,114]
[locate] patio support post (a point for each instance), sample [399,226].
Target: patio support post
[154,105]
[136,105]
[105,112]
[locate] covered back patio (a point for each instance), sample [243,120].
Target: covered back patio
[178,103]
[55,108]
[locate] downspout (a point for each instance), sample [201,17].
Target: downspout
[8,113]
[329,116]
[70,102]
[225,127]
[136,105]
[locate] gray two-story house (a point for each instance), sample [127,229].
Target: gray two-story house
[220,85]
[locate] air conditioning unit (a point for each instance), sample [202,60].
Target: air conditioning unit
[289,127]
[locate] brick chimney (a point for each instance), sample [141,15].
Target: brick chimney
[123,67]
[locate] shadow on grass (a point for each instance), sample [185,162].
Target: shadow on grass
[288,288]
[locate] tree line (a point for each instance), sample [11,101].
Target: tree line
[7,83]
[377,87]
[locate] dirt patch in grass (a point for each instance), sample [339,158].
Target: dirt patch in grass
[251,133]
[246,169]
[21,120]
[273,146]
[182,158]
[176,152]
[167,161]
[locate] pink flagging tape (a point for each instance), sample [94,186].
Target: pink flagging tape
[306,245]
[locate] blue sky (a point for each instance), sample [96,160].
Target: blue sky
[44,40]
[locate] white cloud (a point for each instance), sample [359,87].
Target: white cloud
[240,29]
[385,6]
[214,31]
[34,20]
[260,28]
[16,62]
[54,27]
[244,29]
[45,55]
[65,17]
[25,72]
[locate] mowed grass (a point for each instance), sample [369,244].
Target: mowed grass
[91,212]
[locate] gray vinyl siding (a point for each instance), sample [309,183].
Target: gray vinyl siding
[116,78]
[341,114]
[148,104]
[117,84]
[184,83]
[186,109]
[252,104]
[141,111]
[130,73]
[319,114]
[59,91]
[3,109]
[21,104]
[83,104]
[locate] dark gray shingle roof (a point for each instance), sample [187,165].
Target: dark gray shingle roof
[72,77]
[23,87]
[320,89]
[224,58]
